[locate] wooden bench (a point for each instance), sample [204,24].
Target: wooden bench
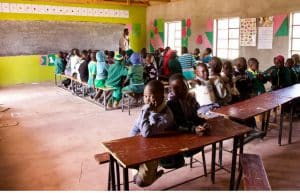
[106,92]
[253,172]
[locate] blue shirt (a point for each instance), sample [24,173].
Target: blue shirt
[151,123]
[187,61]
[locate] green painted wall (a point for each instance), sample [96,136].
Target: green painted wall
[27,69]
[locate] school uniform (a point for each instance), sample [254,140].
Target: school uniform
[187,62]
[92,72]
[102,68]
[136,80]
[279,77]
[59,66]
[114,78]
[257,82]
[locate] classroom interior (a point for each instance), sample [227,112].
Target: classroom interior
[49,136]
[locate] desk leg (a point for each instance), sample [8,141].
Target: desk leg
[233,163]
[112,172]
[267,122]
[291,122]
[213,162]
[221,153]
[280,125]
[125,177]
[118,176]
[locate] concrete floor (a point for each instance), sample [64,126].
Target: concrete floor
[57,135]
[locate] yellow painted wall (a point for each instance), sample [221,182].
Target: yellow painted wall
[26,69]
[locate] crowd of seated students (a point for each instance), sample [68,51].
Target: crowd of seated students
[227,81]
[198,84]
[224,84]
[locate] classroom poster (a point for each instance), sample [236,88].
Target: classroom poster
[265,38]
[248,32]
[265,33]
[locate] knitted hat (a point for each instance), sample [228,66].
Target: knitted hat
[280,59]
[135,58]
[118,57]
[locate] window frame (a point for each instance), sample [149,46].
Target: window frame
[216,37]
[166,42]
[291,38]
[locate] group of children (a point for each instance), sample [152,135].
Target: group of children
[124,72]
[215,84]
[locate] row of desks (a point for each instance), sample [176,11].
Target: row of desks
[132,151]
[263,104]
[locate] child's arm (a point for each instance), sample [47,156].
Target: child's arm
[155,124]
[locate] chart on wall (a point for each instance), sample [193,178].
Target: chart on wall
[248,32]
[265,33]
[62,10]
[208,34]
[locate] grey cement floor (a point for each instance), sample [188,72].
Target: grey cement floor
[57,135]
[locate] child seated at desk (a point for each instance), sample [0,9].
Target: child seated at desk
[289,64]
[229,81]
[75,62]
[135,75]
[203,91]
[156,118]
[114,80]
[223,96]
[242,80]
[256,77]
[278,75]
[184,108]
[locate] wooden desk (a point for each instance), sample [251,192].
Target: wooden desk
[132,151]
[262,104]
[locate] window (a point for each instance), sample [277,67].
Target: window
[227,37]
[173,35]
[294,46]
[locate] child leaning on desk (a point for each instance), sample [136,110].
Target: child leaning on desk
[156,118]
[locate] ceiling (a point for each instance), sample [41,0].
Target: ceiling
[114,2]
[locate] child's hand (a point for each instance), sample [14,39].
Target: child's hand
[201,129]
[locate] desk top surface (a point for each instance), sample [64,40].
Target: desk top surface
[132,151]
[260,104]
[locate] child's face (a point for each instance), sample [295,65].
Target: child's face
[289,63]
[148,59]
[240,66]
[277,63]
[227,70]
[178,88]
[153,99]
[202,72]
[253,66]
